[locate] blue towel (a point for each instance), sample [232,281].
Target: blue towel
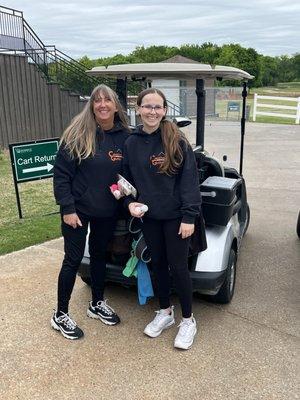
[145,288]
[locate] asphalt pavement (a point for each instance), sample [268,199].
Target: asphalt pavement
[247,350]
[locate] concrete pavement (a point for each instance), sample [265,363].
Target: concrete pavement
[246,350]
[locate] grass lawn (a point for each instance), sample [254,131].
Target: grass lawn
[40,220]
[283,90]
[288,89]
[221,110]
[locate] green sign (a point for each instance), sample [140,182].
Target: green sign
[233,106]
[33,160]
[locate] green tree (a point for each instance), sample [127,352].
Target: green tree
[86,62]
[114,60]
[237,56]
[267,70]
[207,53]
[152,54]
[269,74]
[296,66]
[285,68]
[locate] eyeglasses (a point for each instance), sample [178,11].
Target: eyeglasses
[150,107]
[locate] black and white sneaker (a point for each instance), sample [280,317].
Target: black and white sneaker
[66,326]
[103,312]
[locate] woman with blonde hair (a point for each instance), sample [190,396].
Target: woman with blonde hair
[160,163]
[87,163]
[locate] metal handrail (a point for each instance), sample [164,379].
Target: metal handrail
[19,37]
[33,34]
[175,109]
[60,65]
[11,9]
[59,56]
[14,26]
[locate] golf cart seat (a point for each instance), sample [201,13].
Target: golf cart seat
[213,166]
[207,165]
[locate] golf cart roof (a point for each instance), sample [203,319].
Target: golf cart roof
[170,71]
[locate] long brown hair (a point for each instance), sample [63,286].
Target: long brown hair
[171,137]
[80,136]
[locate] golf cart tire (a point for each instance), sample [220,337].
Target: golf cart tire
[86,280]
[298,225]
[226,292]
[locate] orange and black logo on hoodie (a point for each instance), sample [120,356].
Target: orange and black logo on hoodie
[115,155]
[157,160]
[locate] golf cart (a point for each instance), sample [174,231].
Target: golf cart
[225,208]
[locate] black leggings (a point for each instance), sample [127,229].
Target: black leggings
[101,231]
[169,251]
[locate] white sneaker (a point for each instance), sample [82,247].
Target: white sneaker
[186,333]
[161,321]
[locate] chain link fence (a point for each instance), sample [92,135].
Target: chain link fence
[221,103]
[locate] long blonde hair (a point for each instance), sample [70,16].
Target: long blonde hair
[171,137]
[80,136]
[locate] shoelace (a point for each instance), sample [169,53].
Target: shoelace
[159,316]
[103,304]
[67,321]
[184,327]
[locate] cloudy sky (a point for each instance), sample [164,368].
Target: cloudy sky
[104,28]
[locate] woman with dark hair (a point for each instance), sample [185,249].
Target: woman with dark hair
[87,163]
[160,163]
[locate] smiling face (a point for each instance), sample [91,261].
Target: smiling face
[152,111]
[104,109]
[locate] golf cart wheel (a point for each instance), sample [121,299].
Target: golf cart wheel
[86,280]
[298,225]
[247,218]
[226,291]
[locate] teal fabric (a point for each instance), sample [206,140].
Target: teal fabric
[130,269]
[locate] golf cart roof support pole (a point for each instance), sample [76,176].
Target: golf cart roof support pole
[243,120]
[200,92]
[121,90]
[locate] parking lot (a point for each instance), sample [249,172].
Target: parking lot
[245,350]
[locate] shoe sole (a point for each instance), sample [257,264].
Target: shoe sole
[57,328]
[154,335]
[188,347]
[96,316]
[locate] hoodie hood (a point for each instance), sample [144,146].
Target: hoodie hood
[118,127]
[140,132]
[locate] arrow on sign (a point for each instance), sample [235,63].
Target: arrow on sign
[47,167]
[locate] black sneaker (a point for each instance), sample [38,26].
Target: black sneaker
[66,325]
[103,312]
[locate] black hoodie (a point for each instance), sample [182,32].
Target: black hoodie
[84,186]
[167,196]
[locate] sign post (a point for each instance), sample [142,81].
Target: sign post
[31,161]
